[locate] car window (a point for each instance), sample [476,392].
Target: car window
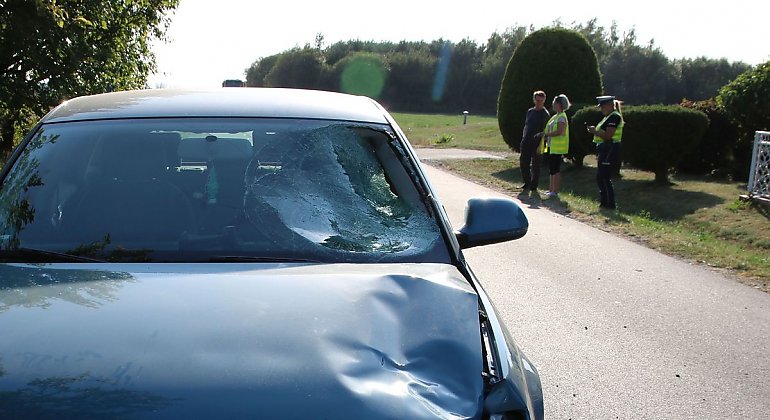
[217,190]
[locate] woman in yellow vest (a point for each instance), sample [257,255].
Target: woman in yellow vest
[607,136]
[556,136]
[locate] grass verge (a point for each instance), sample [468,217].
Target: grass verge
[446,131]
[698,219]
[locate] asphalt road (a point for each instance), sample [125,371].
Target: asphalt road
[619,331]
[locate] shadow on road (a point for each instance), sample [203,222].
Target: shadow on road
[531,199]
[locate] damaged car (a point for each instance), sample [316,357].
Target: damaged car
[244,253]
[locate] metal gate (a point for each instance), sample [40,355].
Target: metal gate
[759,174]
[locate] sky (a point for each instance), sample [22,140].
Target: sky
[210,41]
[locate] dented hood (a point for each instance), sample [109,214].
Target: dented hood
[239,340]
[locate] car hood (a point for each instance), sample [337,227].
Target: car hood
[238,340]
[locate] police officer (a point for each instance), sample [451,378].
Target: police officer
[607,136]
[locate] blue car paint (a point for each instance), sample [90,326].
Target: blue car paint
[291,341]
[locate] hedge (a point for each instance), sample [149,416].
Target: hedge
[656,138]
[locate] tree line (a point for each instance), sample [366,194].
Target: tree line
[441,76]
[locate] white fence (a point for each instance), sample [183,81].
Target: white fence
[759,174]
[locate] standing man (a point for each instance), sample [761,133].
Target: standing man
[531,142]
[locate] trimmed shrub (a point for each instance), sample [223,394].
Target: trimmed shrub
[745,102]
[581,142]
[657,137]
[714,153]
[554,60]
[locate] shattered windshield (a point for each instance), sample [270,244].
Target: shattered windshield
[216,190]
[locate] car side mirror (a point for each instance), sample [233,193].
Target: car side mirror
[491,220]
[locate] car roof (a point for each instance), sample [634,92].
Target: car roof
[220,102]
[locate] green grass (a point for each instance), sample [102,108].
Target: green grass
[698,219]
[436,130]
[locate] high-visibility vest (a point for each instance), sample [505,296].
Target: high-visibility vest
[618,136]
[559,145]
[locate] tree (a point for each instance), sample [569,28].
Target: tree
[410,81]
[463,68]
[256,73]
[296,68]
[602,41]
[495,56]
[641,75]
[703,77]
[745,101]
[56,50]
[555,60]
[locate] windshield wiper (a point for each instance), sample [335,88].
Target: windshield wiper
[249,258]
[41,255]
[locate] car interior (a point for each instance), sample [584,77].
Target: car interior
[227,189]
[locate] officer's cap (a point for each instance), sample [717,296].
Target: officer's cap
[601,100]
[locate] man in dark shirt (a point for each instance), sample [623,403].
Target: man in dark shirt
[534,125]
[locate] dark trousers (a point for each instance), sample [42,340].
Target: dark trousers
[606,189]
[608,164]
[529,161]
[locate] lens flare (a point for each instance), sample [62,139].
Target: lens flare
[363,76]
[439,82]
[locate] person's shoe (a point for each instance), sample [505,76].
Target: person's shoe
[524,187]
